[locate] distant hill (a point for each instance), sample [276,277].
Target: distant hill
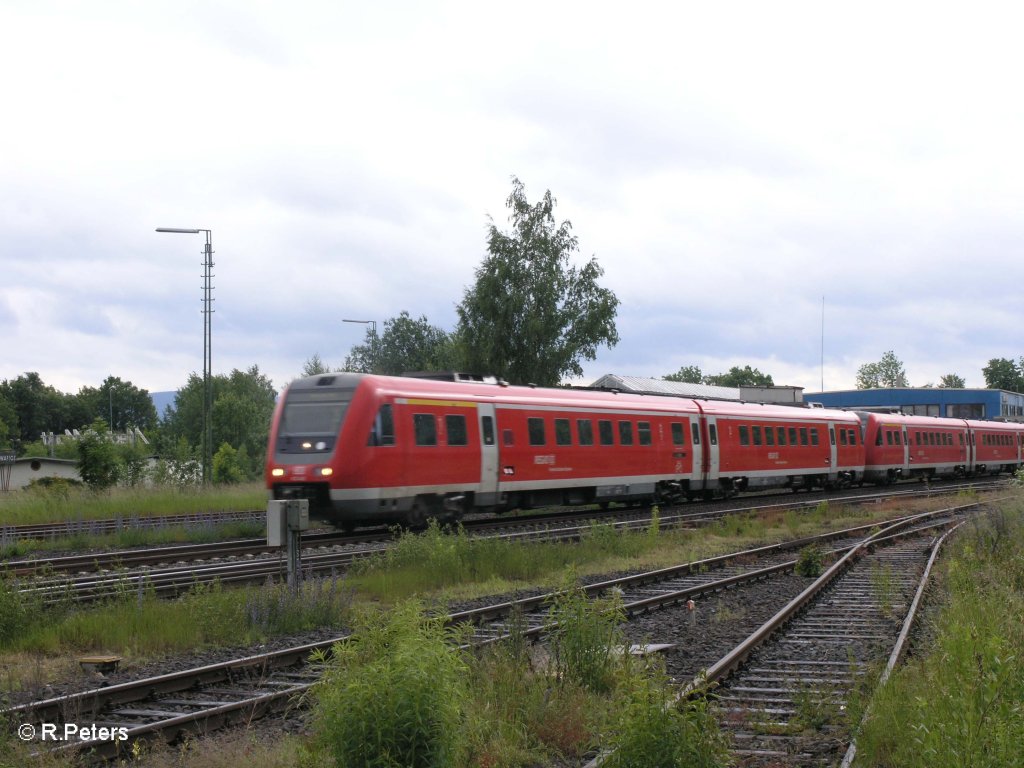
[161,400]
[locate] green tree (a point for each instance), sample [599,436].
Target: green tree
[37,407]
[531,316]
[243,403]
[8,421]
[887,372]
[121,403]
[98,461]
[952,381]
[406,345]
[741,377]
[1001,373]
[314,366]
[227,469]
[689,374]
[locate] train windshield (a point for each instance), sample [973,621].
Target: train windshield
[312,419]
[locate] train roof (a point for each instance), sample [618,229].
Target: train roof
[501,392]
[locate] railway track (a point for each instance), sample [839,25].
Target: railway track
[784,693]
[104,526]
[202,699]
[170,571]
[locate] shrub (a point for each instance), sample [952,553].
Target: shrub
[810,562]
[395,695]
[684,735]
[587,640]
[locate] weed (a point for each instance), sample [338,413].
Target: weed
[883,586]
[394,696]
[653,733]
[587,639]
[810,562]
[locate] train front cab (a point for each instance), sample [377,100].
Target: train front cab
[305,438]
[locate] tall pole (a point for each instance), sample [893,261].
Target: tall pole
[207,437]
[373,340]
[208,359]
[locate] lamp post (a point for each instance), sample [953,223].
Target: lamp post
[207,346]
[373,340]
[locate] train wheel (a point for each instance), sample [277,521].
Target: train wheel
[419,514]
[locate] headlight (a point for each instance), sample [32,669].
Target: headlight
[277,472]
[326,471]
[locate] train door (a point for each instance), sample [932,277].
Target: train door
[833,456]
[487,495]
[710,461]
[698,472]
[906,452]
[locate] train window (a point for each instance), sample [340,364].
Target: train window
[803,435]
[585,431]
[383,430]
[842,437]
[961,439]
[896,437]
[535,426]
[508,437]
[782,435]
[643,432]
[756,433]
[853,437]
[425,427]
[605,433]
[487,429]
[792,436]
[917,437]
[888,437]
[769,436]
[455,426]
[696,432]
[814,436]
[744,436]
[678,434]
[832,436]
[931,438]
[878,438]
[563,432]
[712,434]
[625,433]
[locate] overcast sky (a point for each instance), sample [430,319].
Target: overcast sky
[733,167]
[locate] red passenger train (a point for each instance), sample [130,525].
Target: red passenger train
[370,449]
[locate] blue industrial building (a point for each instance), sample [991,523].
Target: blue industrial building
[928,401]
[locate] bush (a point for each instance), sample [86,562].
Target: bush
[226,466]
[685,735]
[98,460]
[587,640]
[810,562]
[394,697]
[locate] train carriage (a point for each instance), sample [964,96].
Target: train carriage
[762,446]
[899,446]
[995,446]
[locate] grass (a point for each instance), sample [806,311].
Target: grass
[201,532]
[138,626]
[61,503]
[958,702]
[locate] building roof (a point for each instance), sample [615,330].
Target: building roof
[640,384]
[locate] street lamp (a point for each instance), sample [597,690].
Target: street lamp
[207,346]
[373,340]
